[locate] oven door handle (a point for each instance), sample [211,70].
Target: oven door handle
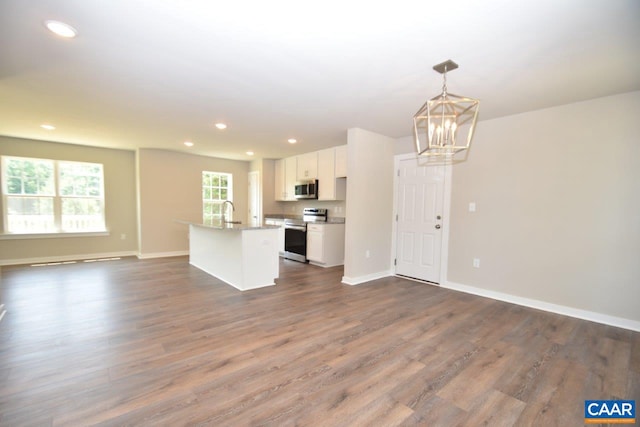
[295,227]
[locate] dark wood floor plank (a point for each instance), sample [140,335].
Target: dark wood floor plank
[158,342]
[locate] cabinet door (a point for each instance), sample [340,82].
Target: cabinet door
[290,178]
[307,166]
[341,161]
[279,191]
[315,240]
[326,175]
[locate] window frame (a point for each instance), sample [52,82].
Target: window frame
[210,218]
[57,199]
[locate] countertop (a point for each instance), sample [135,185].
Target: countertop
[330,220]
[218,225]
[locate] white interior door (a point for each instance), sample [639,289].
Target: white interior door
[419,222]
[254,198]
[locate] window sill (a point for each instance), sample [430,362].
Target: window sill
[21,236]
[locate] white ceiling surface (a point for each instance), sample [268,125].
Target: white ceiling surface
[148,73]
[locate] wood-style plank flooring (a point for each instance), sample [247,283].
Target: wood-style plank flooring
[158,342]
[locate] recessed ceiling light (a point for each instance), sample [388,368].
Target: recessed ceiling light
[292,140]
[61,29]
[221,126]
[47,126]
[188,143]
[250,153]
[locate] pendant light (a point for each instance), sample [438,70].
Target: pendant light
[445,124]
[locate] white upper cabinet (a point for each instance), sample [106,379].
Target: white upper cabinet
[290,178]
[328,166]
[285,179]
[341,161]
[280,191]
[329,188]
[307,166]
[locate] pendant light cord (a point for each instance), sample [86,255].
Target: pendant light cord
[444,81]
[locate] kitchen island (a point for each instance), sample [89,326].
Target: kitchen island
[245,257]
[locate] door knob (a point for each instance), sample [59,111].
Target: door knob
[437,226]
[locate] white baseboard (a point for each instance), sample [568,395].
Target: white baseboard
[63,258]
[592,316]
[162,254]
[317,264]
[366,278]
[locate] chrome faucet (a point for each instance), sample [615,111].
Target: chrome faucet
[224,209]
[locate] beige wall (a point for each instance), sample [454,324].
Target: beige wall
[370,193]
[170,188]
[120,204]
[558,207]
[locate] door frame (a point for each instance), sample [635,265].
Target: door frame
[259,194]
[446,208]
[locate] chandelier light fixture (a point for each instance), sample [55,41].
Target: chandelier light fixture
[444,125]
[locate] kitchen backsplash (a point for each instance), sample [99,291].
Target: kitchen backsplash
[336,208]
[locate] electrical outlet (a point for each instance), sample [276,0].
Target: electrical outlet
[472,206]
[367,253]
[123,236]
[476,262]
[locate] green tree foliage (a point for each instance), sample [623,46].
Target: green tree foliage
[29,176]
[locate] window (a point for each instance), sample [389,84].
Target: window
[216,188]
[50,196]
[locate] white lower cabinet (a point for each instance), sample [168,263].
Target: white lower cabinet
[325,244]
[315,243]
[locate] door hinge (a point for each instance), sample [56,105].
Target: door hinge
[396,217]
[395,261]
[398,172]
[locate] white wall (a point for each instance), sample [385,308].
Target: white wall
[370,192]
[558,207]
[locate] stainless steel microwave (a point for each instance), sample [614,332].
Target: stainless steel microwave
[307,190]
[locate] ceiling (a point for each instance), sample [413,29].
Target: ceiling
[153,74]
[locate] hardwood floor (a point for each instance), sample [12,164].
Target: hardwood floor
[158,342]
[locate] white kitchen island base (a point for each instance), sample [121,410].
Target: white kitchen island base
[244,257]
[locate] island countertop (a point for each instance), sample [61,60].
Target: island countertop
[219,225]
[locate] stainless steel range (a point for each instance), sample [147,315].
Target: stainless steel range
[295,233]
